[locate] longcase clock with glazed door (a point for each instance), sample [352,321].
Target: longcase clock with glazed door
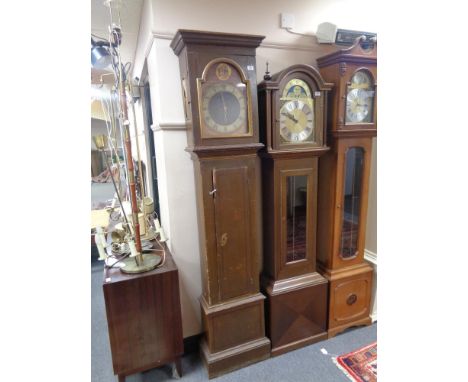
[220,102]
[343,183]
[292,109]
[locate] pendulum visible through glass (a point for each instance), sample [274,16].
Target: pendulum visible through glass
[296,210]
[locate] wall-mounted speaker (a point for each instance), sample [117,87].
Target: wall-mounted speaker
[326,33]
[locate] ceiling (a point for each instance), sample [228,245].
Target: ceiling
[130,13]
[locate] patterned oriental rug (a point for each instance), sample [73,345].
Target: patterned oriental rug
[360,365]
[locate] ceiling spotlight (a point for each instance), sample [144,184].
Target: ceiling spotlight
[100,57]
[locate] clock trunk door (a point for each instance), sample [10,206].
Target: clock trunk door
[230,218]
[351,201]
[297,225]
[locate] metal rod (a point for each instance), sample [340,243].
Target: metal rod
[115,185]
[140,174]
[130,168]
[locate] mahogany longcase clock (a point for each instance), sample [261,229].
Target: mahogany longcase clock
[220,99]
[343,183]
[292,109]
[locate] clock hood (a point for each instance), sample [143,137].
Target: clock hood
[363,51]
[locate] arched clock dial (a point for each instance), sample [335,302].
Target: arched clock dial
[224,101]
[359,99]
[296,122]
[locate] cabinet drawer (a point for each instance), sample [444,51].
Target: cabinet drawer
[349,299]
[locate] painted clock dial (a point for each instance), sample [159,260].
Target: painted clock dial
[297,120]
[360,99]
[224,108]
[224,100]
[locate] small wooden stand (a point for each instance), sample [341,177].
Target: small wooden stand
[144,319]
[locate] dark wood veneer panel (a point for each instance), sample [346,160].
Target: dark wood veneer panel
[232,229]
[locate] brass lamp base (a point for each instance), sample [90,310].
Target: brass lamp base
[150,261]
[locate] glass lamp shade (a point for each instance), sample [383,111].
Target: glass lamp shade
[100,57]
[100,141]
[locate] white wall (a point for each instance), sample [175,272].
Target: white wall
[371,231]
[176,178]
[145,36]
[262,17]
[280,49]
[370,253]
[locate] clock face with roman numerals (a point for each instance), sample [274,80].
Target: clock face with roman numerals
[360,99]
[224,101]
[296,122]
[224,109]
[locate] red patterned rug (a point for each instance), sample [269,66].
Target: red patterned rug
[360,365]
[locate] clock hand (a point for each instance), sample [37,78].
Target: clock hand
[224,107]
[291,117]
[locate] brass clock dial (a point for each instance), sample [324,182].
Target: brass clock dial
[224,101]
[360,99]
[296,122]
[224,108]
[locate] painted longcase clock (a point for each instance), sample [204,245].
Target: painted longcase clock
[220,100]
[343,183]
[292,109]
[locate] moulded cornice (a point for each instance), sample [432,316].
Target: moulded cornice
[357,132]
[169,126]
[275,287]
[267,44]
[309,152]
[185,37]
[225,150]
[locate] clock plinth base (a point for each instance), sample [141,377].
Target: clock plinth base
[337,330]
[234,358]
[298,344]
[234,334]
[349,297]
[296,311]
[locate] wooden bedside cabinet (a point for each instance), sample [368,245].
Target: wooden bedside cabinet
[144,318]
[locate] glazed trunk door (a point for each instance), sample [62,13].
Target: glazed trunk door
[298,200]
[232,226]
[351,204]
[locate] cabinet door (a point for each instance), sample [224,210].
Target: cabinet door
[349,299]
[231,214]
[351,202]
